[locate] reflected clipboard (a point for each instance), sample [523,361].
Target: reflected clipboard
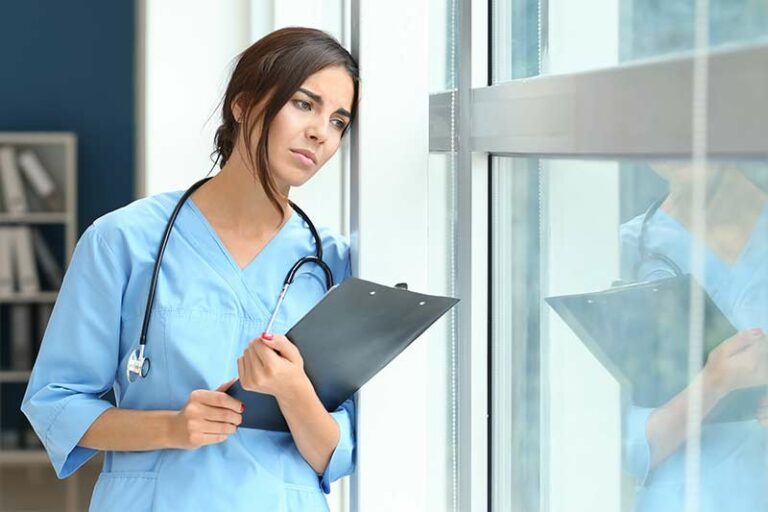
[355,330]
[640,333]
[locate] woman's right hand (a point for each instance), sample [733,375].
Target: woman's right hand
[209,417]
[739,362]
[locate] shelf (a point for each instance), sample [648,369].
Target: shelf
[11,457]
[29,298]
[34,218]
[14,375]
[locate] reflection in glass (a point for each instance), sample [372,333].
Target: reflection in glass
[733,242]
[600,447]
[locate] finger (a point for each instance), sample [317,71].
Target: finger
[254,368]
[224,387]
[241,369]
[213,438]
[218,399]
[267,355]
[260,354]
[738,342]
[246,371]
[221,415]
[284,347]
[218,427]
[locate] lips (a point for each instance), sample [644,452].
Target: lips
[306,154]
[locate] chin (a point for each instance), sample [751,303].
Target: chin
[293,177]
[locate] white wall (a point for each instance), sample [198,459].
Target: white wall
[389,215]
[190,46]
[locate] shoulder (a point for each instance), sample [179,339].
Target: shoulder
[140,219]
[133,231]
[336,253]
[335,246]
[629,232]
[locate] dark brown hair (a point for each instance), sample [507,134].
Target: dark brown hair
[267,74]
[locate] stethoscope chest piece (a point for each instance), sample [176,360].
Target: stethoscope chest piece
[138,365]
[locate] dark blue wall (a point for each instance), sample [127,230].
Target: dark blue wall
[68,66]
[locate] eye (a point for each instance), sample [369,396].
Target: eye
[338,123]
[302,105]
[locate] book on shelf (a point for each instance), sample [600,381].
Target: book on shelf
[19,261]
[26,267]
[7,285]
[40,181]
[22,337]
[27,169]
[52,271]
[13,190]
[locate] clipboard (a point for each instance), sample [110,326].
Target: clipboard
[355,330]
[639,332]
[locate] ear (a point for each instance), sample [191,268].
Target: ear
[237,109]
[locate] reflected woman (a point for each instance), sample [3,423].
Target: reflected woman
[734,240]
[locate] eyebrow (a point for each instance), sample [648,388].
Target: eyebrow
[319,99]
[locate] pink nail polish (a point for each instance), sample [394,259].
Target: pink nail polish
[242,407]
[266,336]
[756,332]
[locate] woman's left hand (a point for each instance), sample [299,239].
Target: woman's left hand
[272,366]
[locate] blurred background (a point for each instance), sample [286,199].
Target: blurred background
[507,152]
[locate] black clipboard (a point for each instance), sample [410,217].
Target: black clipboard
[355,330]
[639,332]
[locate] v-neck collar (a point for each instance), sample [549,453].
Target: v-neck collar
[694,243]
[227,254]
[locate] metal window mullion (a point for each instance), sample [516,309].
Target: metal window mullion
[464,254]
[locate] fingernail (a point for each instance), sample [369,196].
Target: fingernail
[266,336]
[242,407]
[756,332]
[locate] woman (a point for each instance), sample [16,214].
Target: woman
[734,243]
[174,441]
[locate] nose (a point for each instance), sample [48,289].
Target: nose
[317,131]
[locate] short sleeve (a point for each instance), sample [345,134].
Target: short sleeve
[78,355]
[342,462]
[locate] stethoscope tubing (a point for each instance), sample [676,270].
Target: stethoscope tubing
[138,363]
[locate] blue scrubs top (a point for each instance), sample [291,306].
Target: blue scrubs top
[205,313]
[734,460]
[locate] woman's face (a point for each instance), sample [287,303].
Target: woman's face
[307,131]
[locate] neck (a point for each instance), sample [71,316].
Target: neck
[723,193]
[234,200]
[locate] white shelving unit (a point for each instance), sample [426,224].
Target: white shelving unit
[57,151]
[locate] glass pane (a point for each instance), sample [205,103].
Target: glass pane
[630,305]
[442,37]
[532,37]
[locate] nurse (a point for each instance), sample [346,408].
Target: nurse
[174,442]
[733,462]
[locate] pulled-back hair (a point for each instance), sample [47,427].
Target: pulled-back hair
[267,75]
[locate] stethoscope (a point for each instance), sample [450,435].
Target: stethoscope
[138,363]
[645,254]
